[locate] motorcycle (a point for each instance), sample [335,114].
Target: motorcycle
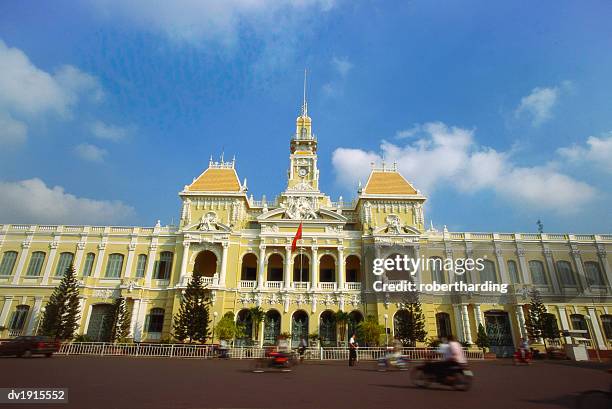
[524,358]
[283,361]
[457,376]
[390,362]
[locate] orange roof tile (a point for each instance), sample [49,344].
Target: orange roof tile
[388,183]
[216,180]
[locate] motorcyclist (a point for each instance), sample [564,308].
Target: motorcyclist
[302,348]
[396,351]
[452,356]
[523,348]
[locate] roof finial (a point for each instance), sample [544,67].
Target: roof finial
[304,104]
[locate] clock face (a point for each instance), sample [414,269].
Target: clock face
[302,172]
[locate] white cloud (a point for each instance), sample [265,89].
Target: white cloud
[408,132]
[90,152]
[450,156]
[539,104]
[32,201]
[27,92]
[598,152]
[12,132]
[109,132]
[342,65]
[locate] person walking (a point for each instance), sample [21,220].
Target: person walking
[352,350]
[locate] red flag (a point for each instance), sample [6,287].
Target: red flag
[298,236]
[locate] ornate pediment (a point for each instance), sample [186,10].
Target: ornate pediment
[394,226]
[209,223]
[320,215]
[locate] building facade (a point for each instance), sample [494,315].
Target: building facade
[242,246]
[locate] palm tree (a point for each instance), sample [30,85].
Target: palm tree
[257,316]
[342,318]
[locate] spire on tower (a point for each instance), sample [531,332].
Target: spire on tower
[305,103]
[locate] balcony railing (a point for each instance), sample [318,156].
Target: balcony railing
[300,285]
[207,280]
[327,286]
[248,283]
[353,286]
[12,333]
[274,284]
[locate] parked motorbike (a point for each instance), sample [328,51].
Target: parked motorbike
[522,358]
[389,362]
[458,377]
[283,361]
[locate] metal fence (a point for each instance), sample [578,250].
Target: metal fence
[211,351]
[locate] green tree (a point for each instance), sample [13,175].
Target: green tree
[122,318]
[410,324]
[482,338]
[535,321]
[369,330]
[191,321]
[257,316]
[342,319]
[61,316]
[550,330]
[227,329]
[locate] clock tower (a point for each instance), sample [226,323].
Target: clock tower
[303,172]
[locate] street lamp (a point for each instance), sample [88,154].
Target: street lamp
[42,313]
[215,314]
[386,331]
[590,324]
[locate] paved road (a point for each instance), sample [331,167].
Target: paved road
[116,382]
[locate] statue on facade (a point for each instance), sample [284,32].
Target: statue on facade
[299,208]
[208,222]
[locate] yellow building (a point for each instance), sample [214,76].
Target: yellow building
[243,248]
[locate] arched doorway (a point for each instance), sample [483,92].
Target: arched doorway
[353,269]
[327,269]
[205,263]
[299,327]
[327,329]
[497,324]
[355,318]
[244,319]
[275,267]
[443,325]
[101,322]
[272,325]
[249,267]
[301,263]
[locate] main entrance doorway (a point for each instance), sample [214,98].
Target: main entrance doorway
[500,335]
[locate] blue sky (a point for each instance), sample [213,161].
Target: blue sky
[500,113]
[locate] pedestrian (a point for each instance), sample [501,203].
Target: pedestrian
[352,350]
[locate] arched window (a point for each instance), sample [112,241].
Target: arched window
[353,269]
[249,267]
[156,320]
[327,269]
[437,270]
[301,265]
[275,268]
[65,261]
[205,263]
[579,323]
[141,265]
[593,274]
[114,265]
[164,266]
[443,325]
[488,272]
[513,272]
[36,263]
[18,318]
[606,323]
[8,262]
[88,266]
[538,276]
[566,275]
[327,329]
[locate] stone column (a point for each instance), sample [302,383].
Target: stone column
[564,322]
[520,318]
[503,272]
[478,315]
[151,262]
[603,258]
[314,273]
[288,264]
[53,246]
[520,252]
[465,321]
[261,268]
[100,258]
[134,317]
[6,308]
[340,268]
[139,328]
[223,264]
[552,271]
[22,259]
[601,343]
[184,261]
[35,316]
[81,329]
[130,258]
[580,270]
[79,256]
[458,322]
